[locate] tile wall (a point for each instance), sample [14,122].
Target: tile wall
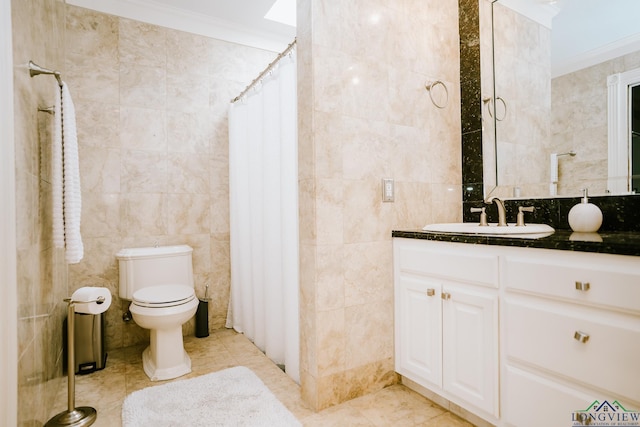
[523,75]
[365,115]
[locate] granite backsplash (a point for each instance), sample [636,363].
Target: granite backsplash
[620,213]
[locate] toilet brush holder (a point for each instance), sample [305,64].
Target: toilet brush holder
[202,315]
[202,319]
[83,415]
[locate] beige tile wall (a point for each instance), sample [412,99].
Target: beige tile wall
[523,75]
[151,108]
[364,116]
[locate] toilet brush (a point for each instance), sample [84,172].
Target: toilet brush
[83,415]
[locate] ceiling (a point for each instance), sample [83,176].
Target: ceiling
[238,21]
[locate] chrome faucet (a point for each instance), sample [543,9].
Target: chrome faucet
[502,214]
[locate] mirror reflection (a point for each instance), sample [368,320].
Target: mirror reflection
[562,112]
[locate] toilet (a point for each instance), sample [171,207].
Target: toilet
[159,283]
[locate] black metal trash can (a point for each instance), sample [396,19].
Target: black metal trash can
[90,351]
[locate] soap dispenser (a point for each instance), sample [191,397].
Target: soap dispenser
[585,217]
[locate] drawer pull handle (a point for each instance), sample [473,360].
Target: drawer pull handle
[431,292]
[446,295]
[583,286]
[581,336]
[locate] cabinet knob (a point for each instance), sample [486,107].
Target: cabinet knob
[581,336]
[446,295]
[431,292]
[583,286]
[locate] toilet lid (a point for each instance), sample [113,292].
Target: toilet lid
[163,295]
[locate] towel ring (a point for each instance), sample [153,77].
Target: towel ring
[430,85]
[488,102]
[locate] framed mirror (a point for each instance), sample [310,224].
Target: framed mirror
[562,109]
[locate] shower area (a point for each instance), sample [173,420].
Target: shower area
[263,204]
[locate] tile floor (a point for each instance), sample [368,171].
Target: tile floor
[105,390]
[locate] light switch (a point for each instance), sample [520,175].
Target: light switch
[387,190]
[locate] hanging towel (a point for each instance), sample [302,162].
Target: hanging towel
[553,174]
[56,173]
[67,201]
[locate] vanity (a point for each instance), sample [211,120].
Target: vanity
[525,331]
[511,331]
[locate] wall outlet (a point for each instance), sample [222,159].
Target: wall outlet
[388,190]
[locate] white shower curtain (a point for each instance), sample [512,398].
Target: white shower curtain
[263,187]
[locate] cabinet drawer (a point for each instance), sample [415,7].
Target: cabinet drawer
[461,262]
[542,333]
[555,403]
[606,280]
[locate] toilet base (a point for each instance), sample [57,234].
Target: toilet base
[156,373]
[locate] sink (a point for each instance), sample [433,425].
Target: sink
[526,231]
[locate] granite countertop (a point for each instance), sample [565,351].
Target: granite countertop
[614,242]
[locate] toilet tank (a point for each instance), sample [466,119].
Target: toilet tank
[160,265]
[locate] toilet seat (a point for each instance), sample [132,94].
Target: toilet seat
[163,296]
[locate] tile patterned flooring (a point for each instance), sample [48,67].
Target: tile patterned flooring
[106,390]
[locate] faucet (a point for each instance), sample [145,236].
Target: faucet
[502,214]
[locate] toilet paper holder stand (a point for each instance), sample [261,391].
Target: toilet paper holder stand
[83,415]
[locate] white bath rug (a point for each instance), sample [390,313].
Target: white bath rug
[232,397]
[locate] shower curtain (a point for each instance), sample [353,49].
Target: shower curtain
[263,190]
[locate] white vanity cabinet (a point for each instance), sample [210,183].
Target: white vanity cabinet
[571,334]
[517,336]
[446,322]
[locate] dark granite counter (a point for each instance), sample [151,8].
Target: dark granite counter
[614,242]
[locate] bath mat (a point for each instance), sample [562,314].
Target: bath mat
[232,397]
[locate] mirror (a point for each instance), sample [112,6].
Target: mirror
[562,110]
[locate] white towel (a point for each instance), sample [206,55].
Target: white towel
[553,174]
[67,201]
[553,167]
[56,173]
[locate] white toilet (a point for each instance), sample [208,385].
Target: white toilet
[159,283]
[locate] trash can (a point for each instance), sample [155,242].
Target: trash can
[90,352]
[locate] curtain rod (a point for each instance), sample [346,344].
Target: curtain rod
[266,70]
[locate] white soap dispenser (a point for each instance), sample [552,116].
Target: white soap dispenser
[585,217]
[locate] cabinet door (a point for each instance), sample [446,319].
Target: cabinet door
[418,330]
[470,346]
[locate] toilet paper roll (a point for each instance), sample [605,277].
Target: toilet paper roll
[85,300]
